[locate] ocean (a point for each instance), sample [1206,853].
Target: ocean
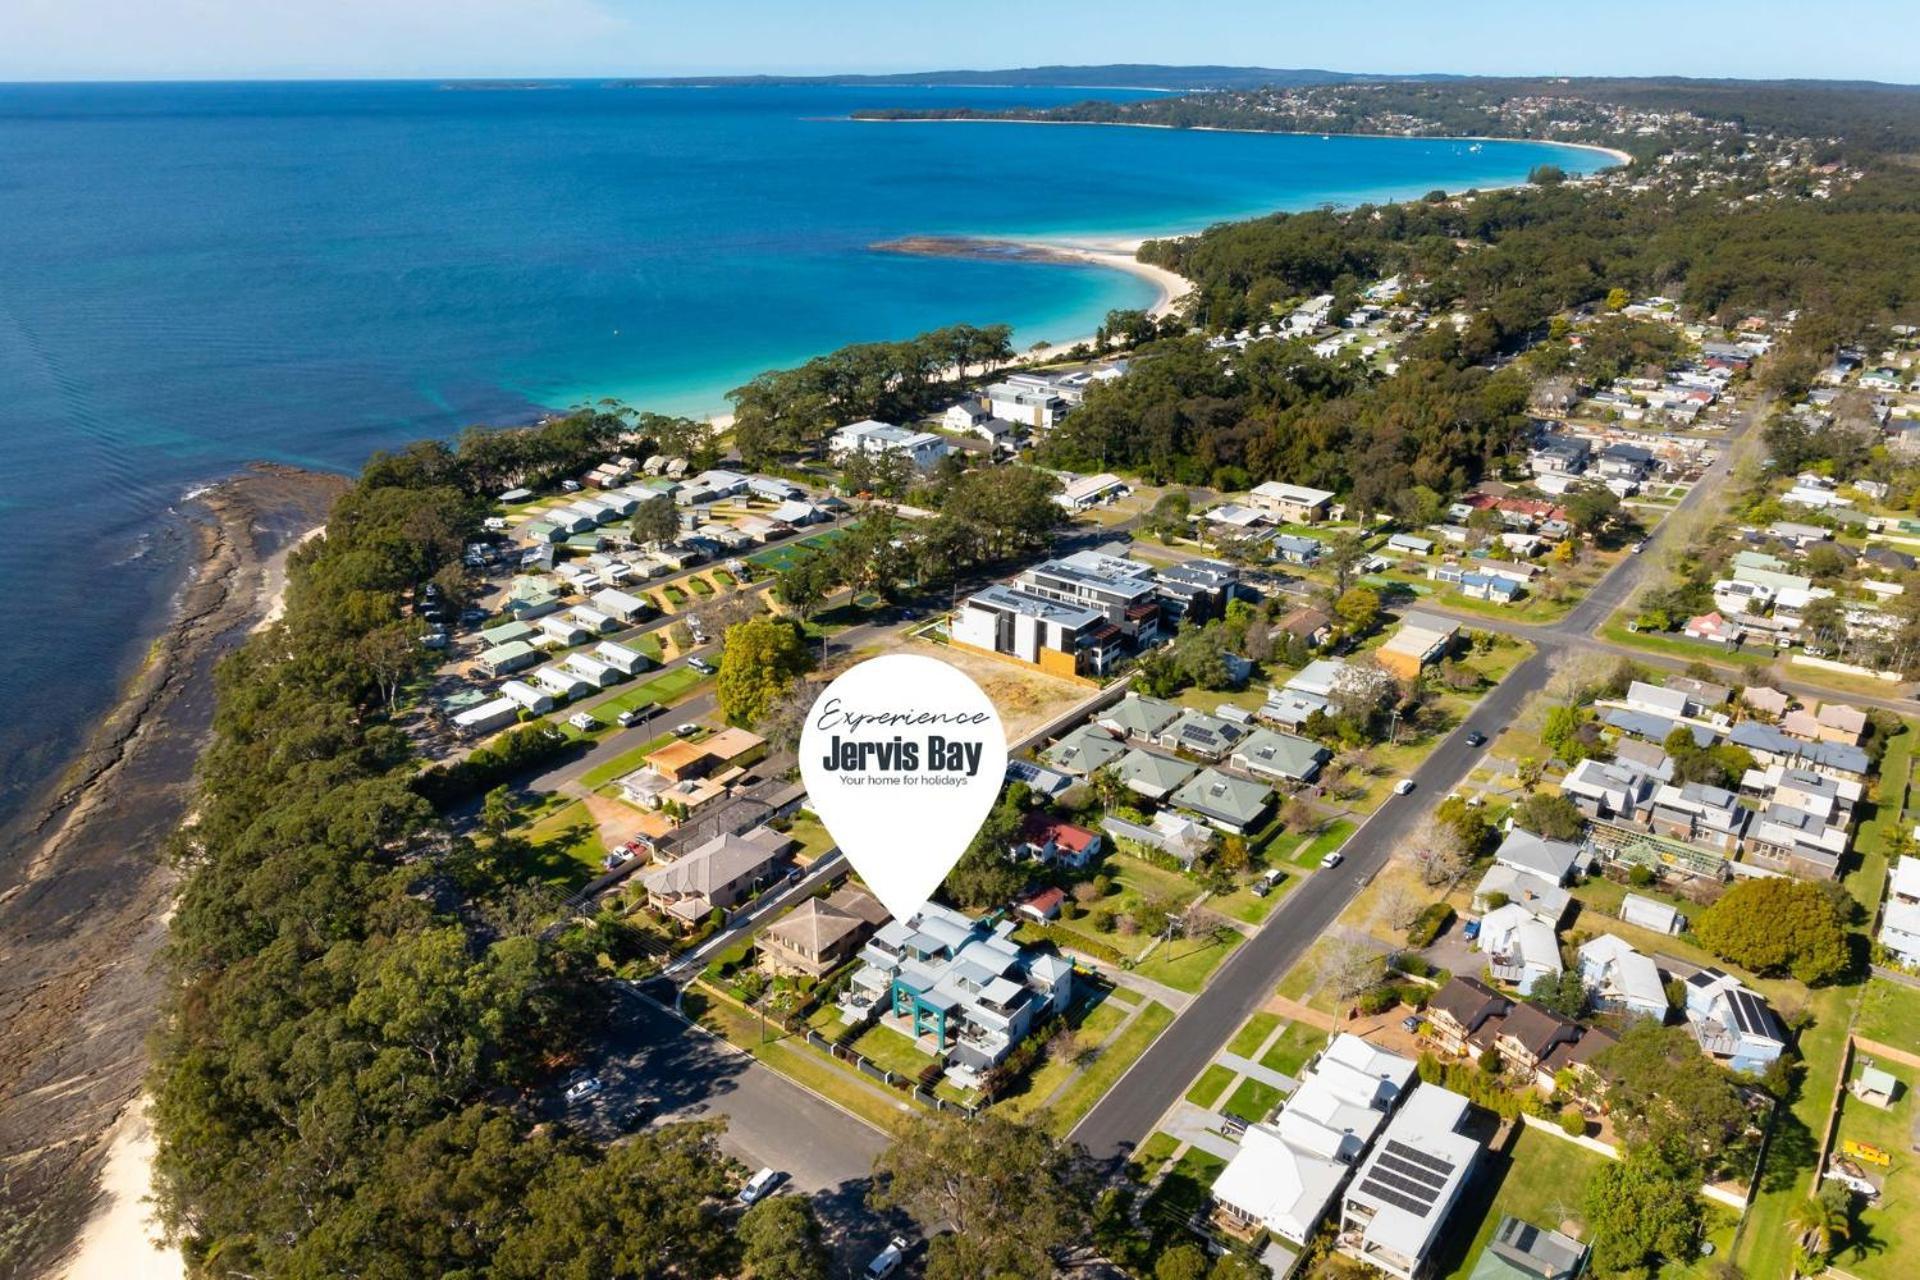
[196,276]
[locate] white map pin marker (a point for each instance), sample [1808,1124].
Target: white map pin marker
[903,757]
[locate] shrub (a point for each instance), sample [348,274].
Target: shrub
[1573,1123]
[1640,877]
[1428,924]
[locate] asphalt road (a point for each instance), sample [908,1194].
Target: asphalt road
[689,1074]
[1157,1080]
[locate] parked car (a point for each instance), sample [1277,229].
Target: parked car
[759,1186]
[701,665]
[584,1088]
[1333,859]
[888,1260]
[634,715]
[1471,931]
[1411,1023]
[686,730]
[1403,787]
[1475,738]
[1638,547]
[582,721]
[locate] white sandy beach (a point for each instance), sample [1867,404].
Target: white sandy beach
[118,1241]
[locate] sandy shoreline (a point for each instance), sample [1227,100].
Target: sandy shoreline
[83,907]
[1618,155]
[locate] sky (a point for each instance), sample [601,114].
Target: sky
[272,39]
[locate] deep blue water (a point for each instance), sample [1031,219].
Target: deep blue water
[196,276]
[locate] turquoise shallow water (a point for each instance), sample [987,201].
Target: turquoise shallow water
[195,276]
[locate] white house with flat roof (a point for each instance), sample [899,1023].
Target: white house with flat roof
[1294,503]
[1286,1172]
[922,448]
[1398,1202]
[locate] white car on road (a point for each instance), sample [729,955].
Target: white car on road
[580,1090]
[759,1186]
[888,1260]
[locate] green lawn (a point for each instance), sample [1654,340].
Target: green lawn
[565,846]
[1093,1019]
[813,837]
[1252,1034]
[1253,1100]
[1289,1055]
[701,587]
[725,579]
[1212,1083]
[1150,1155]
[1541,1181]
[622,764]
[887,1048]
[1114,1058]
[1244,905]
[1182,1193]
[1185,964]
[665,688]
[1315,851]
[1888,1240]
[1890,1014]
[1786,1179]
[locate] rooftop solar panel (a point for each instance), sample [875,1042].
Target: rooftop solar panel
[1419,1157]
[1387,1195]
[1407,1186]
[1425,1176]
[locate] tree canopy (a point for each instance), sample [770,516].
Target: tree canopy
[1779,925]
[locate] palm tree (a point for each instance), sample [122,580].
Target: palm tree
[1817,1226]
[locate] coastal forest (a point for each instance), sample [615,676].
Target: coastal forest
[359,999]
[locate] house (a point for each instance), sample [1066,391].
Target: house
[1291,548]
[1769,744]
[538,701]
[1151,775]
[1061,638]
[1553,861]
[1767,701]
[1043,905]
[1285,1173]
[1232,804]
[1199,734]
[1083,492]
[1484,586]
[1502,884]
[1039,779]
[1656,700]
[820,934]
[1521,1251]
[1526,1036]
[1646,913]
[1423,638]
[715,876]
[1047,838]
[1900,917]
[1733,1023]
[1714,629]
[1519,948]
[1397,1204]
[961,989]
[515,655]
[1087,750]
[1034,407]
[1138,716]
[921,448]
[625,660]
[1621,979]
[1180,837]
[1609,789]
[1310,626]
[1290,708]
[1783,838]
[1560,455]
[1410,544]
[487,717]
[1292,503]
[561,682]
[1698,814]
[564,629]
[1280,755]
[599,674]
[1459,1009]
